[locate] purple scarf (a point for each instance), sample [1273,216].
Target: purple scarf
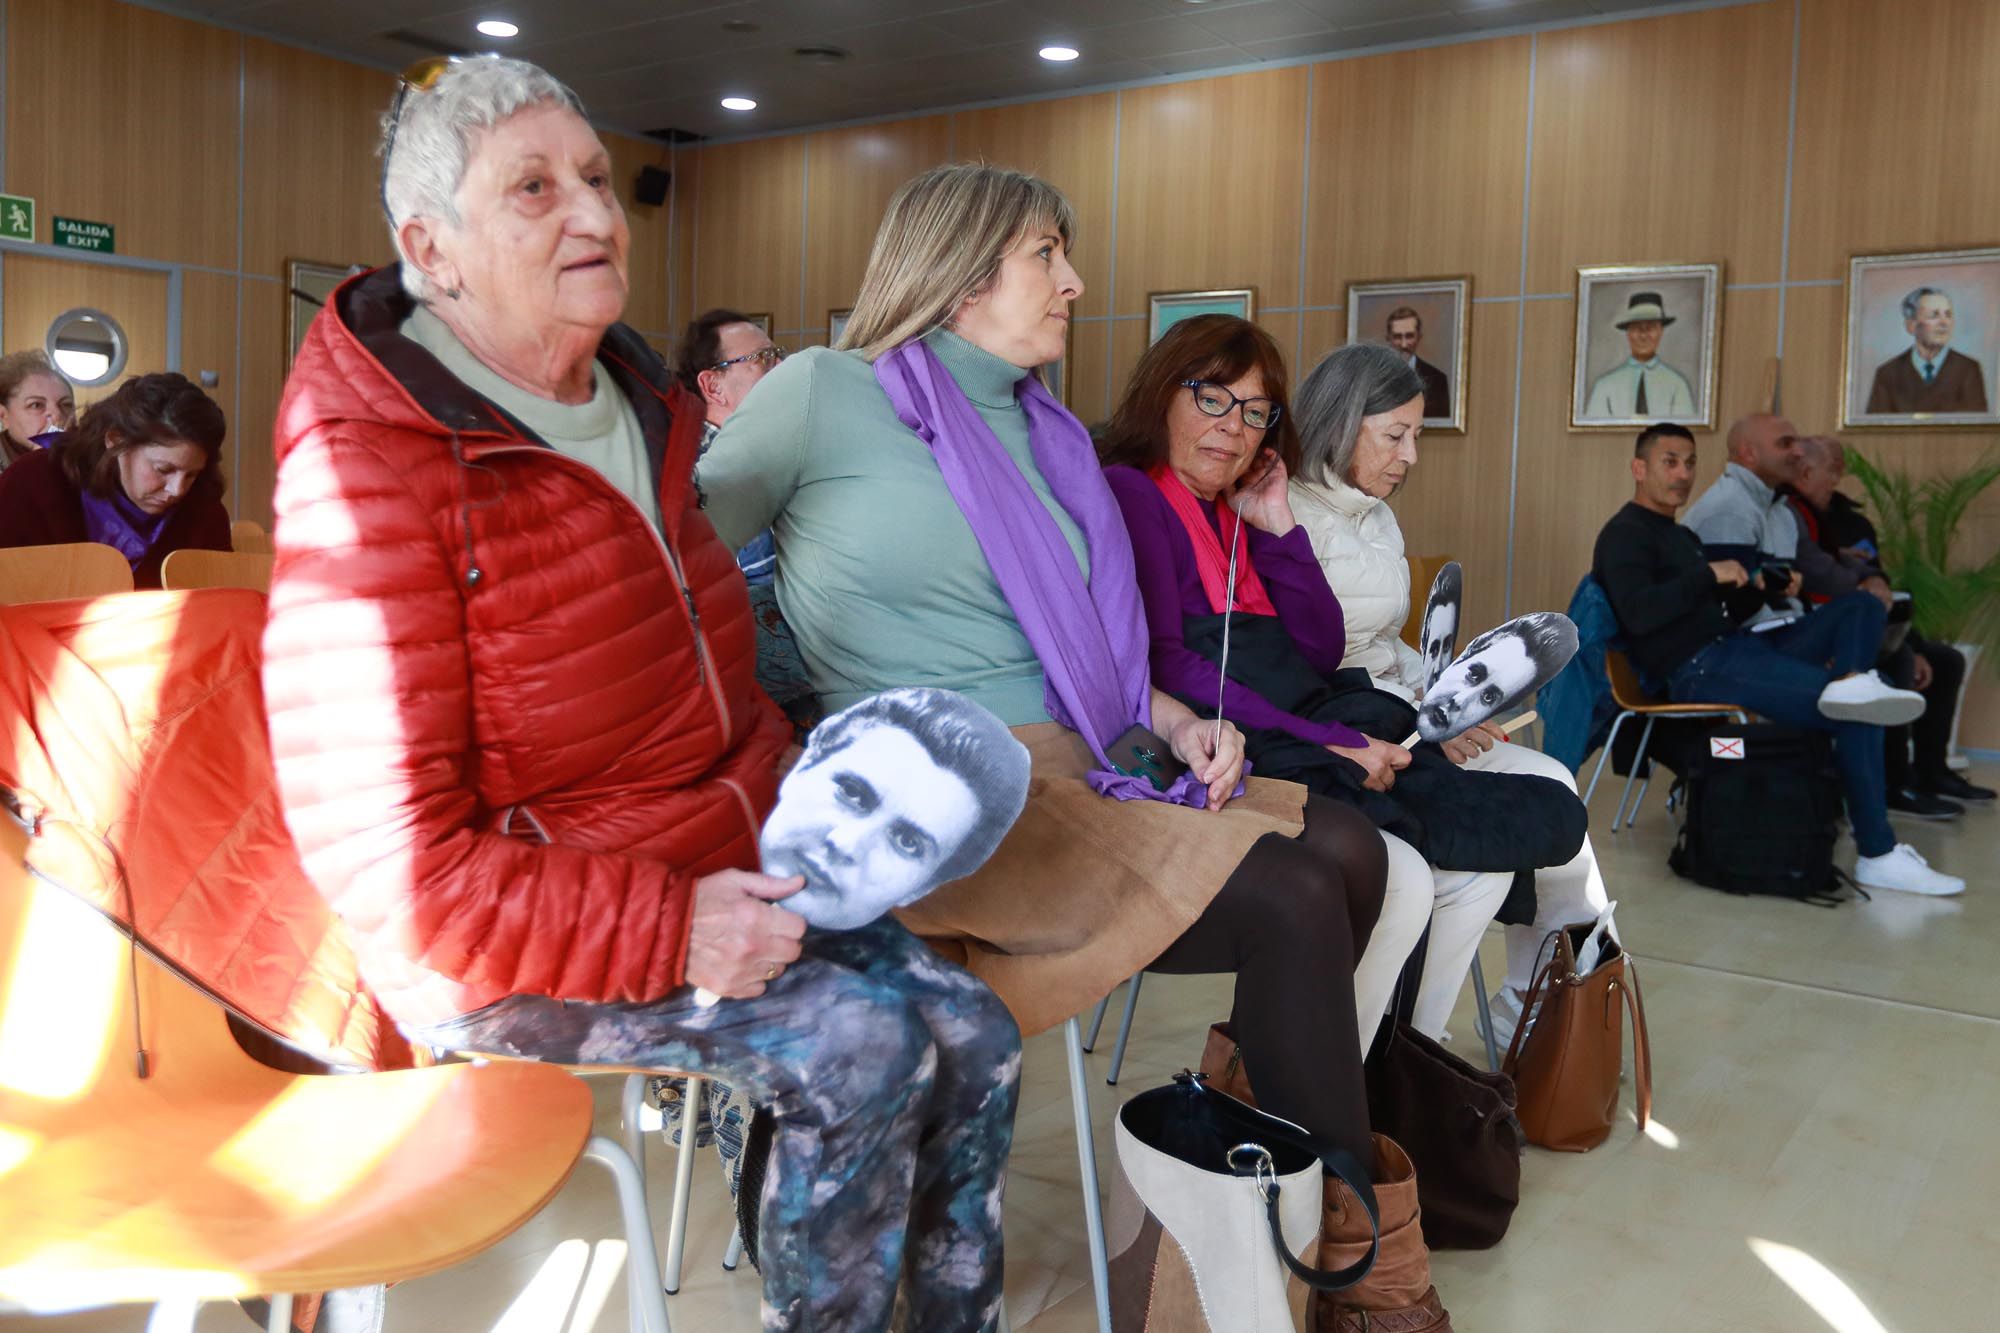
[1091,639]
[116,521]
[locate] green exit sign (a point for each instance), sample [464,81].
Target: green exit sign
[81,234]
[17,217]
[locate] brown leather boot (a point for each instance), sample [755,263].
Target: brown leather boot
[1397,1295]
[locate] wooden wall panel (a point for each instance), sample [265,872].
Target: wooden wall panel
[646,275]
[748,228]
[123,115]
[686,190]
[1417,168]
[38,289]
[263,383]
[313,186]
[1209,183]
[1661,139]
[1898,113]
[1067,143]
[1090,345]
[208,342]
[851,174]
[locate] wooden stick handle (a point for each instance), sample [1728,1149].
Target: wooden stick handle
[1509,727]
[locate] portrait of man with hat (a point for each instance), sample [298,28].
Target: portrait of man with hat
[1643,385]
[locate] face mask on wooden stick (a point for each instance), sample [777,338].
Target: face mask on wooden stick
[1497,670]
[1439,637]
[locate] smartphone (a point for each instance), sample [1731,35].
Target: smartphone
[1140,753]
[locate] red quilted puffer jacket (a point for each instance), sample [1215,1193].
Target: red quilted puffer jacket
[511,723]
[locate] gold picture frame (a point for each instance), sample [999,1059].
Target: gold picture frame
[308,286]
[1442,308]
[1679,376]
[1166,309]
[1880,388]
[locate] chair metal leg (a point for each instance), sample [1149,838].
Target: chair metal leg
[1097,1022]
[1124,1029]
[631,1109]
[677,1219]
[1632,815]
[176,1316]
[1485,1012]
[1604,756]
[280,1318]
[642,1269]
[1086,1157]
[1638,761]
[734,1254]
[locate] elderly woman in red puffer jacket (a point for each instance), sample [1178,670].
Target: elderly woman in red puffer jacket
[509,676]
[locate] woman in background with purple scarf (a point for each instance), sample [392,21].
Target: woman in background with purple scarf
[941,520]
[137,473]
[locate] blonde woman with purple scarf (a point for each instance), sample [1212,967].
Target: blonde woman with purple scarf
[942,521]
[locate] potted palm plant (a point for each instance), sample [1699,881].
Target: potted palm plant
[1916,522]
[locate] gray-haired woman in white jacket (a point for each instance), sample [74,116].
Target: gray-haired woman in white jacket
[1359,413]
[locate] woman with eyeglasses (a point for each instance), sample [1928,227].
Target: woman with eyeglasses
[508,671]
[1199,453]
[941,520]
[1360,412]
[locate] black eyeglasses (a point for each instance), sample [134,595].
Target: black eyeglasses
[422,76]
[1215,401]
[768,356]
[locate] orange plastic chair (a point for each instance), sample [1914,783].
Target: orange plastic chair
[145,1157]
[1633,701]
[190,568]
[58,573]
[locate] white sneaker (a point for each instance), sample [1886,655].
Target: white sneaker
[1866,697]
[1505,1007]
[1903,868]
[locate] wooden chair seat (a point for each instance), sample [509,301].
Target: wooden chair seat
[191,568]
[58,573]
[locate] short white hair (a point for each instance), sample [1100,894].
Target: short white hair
[433,140]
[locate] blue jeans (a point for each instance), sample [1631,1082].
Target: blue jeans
[1780,675]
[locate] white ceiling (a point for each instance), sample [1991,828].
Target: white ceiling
[644,65]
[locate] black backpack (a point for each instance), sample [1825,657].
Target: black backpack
[1761,806]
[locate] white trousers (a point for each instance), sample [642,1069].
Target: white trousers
[1565,894]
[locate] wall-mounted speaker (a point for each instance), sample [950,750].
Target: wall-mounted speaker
[651,187]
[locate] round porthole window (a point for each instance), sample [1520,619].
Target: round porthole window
[87,346]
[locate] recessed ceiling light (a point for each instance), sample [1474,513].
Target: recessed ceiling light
[1059,53]
[498,28]
[738,104]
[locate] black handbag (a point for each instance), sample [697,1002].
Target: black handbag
[1458,1125]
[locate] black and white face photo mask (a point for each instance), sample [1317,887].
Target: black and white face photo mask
[1439,637]
[1497,670]
[902,792]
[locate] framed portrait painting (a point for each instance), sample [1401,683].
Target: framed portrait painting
[1166,309]
[762,320]
[836,324]
[1425,321]
[1923,339]
[1647,344]
[307,287]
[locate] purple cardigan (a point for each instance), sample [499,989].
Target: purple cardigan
[1170,586]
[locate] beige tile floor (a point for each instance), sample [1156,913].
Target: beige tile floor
[1824,1156]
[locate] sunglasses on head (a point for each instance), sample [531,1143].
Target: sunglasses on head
[421,77]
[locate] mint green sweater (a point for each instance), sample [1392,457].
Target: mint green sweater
[879,574]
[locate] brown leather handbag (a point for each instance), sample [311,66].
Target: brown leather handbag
[1566,1067]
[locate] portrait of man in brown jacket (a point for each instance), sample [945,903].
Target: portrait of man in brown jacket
[1929,376]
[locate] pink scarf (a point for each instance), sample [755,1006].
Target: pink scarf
[1211,556]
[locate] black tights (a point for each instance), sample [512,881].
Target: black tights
[1290,922]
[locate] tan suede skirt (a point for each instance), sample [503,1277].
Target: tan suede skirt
[1085,890]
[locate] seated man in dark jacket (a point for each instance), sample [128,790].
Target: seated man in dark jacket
[1679,614]
[1834,528]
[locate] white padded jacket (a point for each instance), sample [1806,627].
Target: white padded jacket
[1360,549]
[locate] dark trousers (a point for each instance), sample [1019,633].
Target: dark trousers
[1930,735]
[893,1075]
[1289,922]
[1780,674]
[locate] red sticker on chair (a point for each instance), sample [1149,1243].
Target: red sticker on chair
[1725,747]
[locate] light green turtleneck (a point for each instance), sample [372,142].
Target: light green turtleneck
[603,432]
[879,574]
